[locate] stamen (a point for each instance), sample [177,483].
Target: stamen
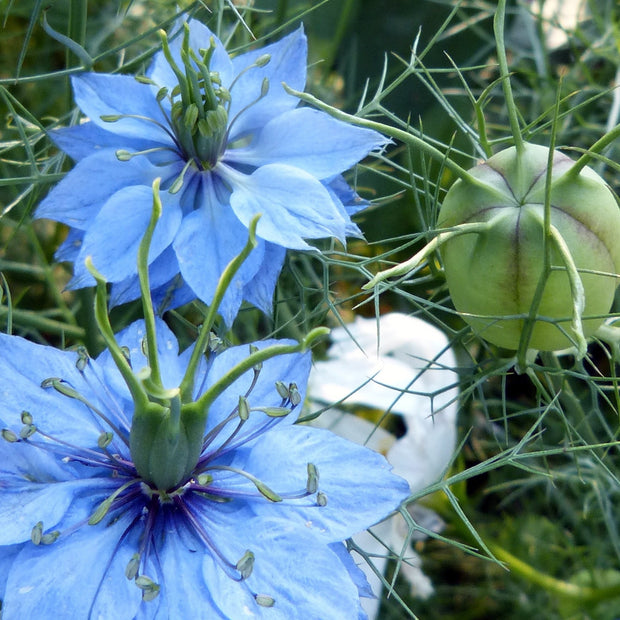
[262,488]
[104,507]
[114,118]
[61,386]
[229,568]
[123,155]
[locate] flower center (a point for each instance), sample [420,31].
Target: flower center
[199,103]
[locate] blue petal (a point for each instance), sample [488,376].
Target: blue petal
[310,140]
[291,368]
[259,290]
[23,366]
[287,64]
[102,94]
[132,338]
[199,38]
[26,503]
[63,580]
[162,272]
[184,591]
[360,488]
[113,239]
[304,577]
[208,239]
[7,555]
[79,197]
[83,140]
[70,247]
[356,573]
[293,205]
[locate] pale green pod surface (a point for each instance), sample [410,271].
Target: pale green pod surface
[493,275]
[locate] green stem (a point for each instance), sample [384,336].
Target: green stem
[597,147]
[498,27]
[187,384]
[27,318]
[429,248]
[582,594]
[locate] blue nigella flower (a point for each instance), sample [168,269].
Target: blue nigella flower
[228,142]
[114,507]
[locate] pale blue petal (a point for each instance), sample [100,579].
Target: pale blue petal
[287,64]
[259,290]
[311,140]
[70,247]
[356,573]
[185,594]
[351,228]
[23,366]
[161,273]
[293,205]
[351,200]
[131,338]
[7,555]
[63,580]
[113,239]
[78,198]
[208,239]
[306,578]
[290,368]
[83,140]
[102,94]
[26,503]
[358,483]
[199,38]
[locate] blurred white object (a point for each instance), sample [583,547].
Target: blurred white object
[403,365]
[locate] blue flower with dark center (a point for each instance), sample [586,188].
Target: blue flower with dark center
[228,143]
[132,489]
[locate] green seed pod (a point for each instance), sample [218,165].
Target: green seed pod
[493,273]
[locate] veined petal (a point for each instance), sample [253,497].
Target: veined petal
[80,141]
[185,593]
[208,239]
[25,503]
[287,64]
[63,580]
[354,501]
[311,140]
[113,239]
[259,290]
[161,272]
[77,200]
[102,94]
[23,366]
[293,205]
[316,588]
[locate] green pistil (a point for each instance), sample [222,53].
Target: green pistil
[199,113]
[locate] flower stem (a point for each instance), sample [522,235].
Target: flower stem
[430,247]
[513,116]
[597,147]
[583,594]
